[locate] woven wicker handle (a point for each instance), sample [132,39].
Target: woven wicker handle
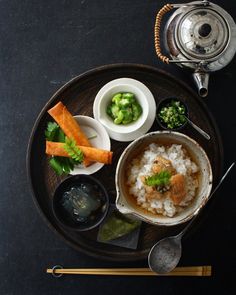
[159,17]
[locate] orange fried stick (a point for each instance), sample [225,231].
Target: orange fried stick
[93,154]
[69,125]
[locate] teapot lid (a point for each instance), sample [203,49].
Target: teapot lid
[202,33]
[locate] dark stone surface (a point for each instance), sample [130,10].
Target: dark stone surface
[43,45]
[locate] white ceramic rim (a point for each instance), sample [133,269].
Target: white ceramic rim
[132,210]
[105,144]
[140,94]
[144,126]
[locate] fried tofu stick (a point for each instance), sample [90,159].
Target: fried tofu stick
[69,125]
[93,154]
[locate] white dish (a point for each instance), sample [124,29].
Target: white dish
[92,127]
[144,96]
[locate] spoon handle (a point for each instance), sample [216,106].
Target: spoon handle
[215,189]
[222,179]
[206,135]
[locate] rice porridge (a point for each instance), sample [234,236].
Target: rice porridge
[163,179]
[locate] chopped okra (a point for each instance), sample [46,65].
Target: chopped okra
[173,114]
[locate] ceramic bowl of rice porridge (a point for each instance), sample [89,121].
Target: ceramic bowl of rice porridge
[163,178]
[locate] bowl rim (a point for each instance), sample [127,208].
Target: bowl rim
[166,100]
[132,126]
[74,178]
[147,117]
[135,213]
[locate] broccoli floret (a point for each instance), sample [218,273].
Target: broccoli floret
[115,110]
[119,117]
[124,102]
[129,96]
[137,111]
[128,116]
[124,108]
[116,98]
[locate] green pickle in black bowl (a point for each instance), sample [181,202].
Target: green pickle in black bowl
[172,113]
[80,203]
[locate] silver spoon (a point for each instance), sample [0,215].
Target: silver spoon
[165,254]
[202,132]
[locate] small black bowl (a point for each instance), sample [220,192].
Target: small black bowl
[65,216]
[165,102]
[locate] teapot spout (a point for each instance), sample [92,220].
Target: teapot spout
[201,79]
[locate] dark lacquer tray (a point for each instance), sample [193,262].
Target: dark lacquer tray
[78,95]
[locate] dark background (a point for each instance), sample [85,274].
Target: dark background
[43,45]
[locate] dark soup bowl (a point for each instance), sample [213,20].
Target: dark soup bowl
[80,203]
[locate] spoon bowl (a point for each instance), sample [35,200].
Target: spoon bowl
[165,255]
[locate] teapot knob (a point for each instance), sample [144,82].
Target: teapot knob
[204,30]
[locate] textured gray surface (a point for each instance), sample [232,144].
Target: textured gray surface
[43,45]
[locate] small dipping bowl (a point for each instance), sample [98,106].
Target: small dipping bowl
[144,97]
[80,203]
[164,102]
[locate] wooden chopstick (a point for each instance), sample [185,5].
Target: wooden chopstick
[178,271]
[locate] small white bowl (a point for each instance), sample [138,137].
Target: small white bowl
[143,95]
[92,127]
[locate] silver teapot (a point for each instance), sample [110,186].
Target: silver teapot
[199,35]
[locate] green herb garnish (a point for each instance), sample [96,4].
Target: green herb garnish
[51,131]
[54,133]
[173,114]
[63,164]
[73,151]
[159,179]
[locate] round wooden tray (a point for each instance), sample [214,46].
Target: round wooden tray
[78,95]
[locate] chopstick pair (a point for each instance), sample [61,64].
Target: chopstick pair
[58,271]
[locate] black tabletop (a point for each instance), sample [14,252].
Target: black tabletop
[43,45]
